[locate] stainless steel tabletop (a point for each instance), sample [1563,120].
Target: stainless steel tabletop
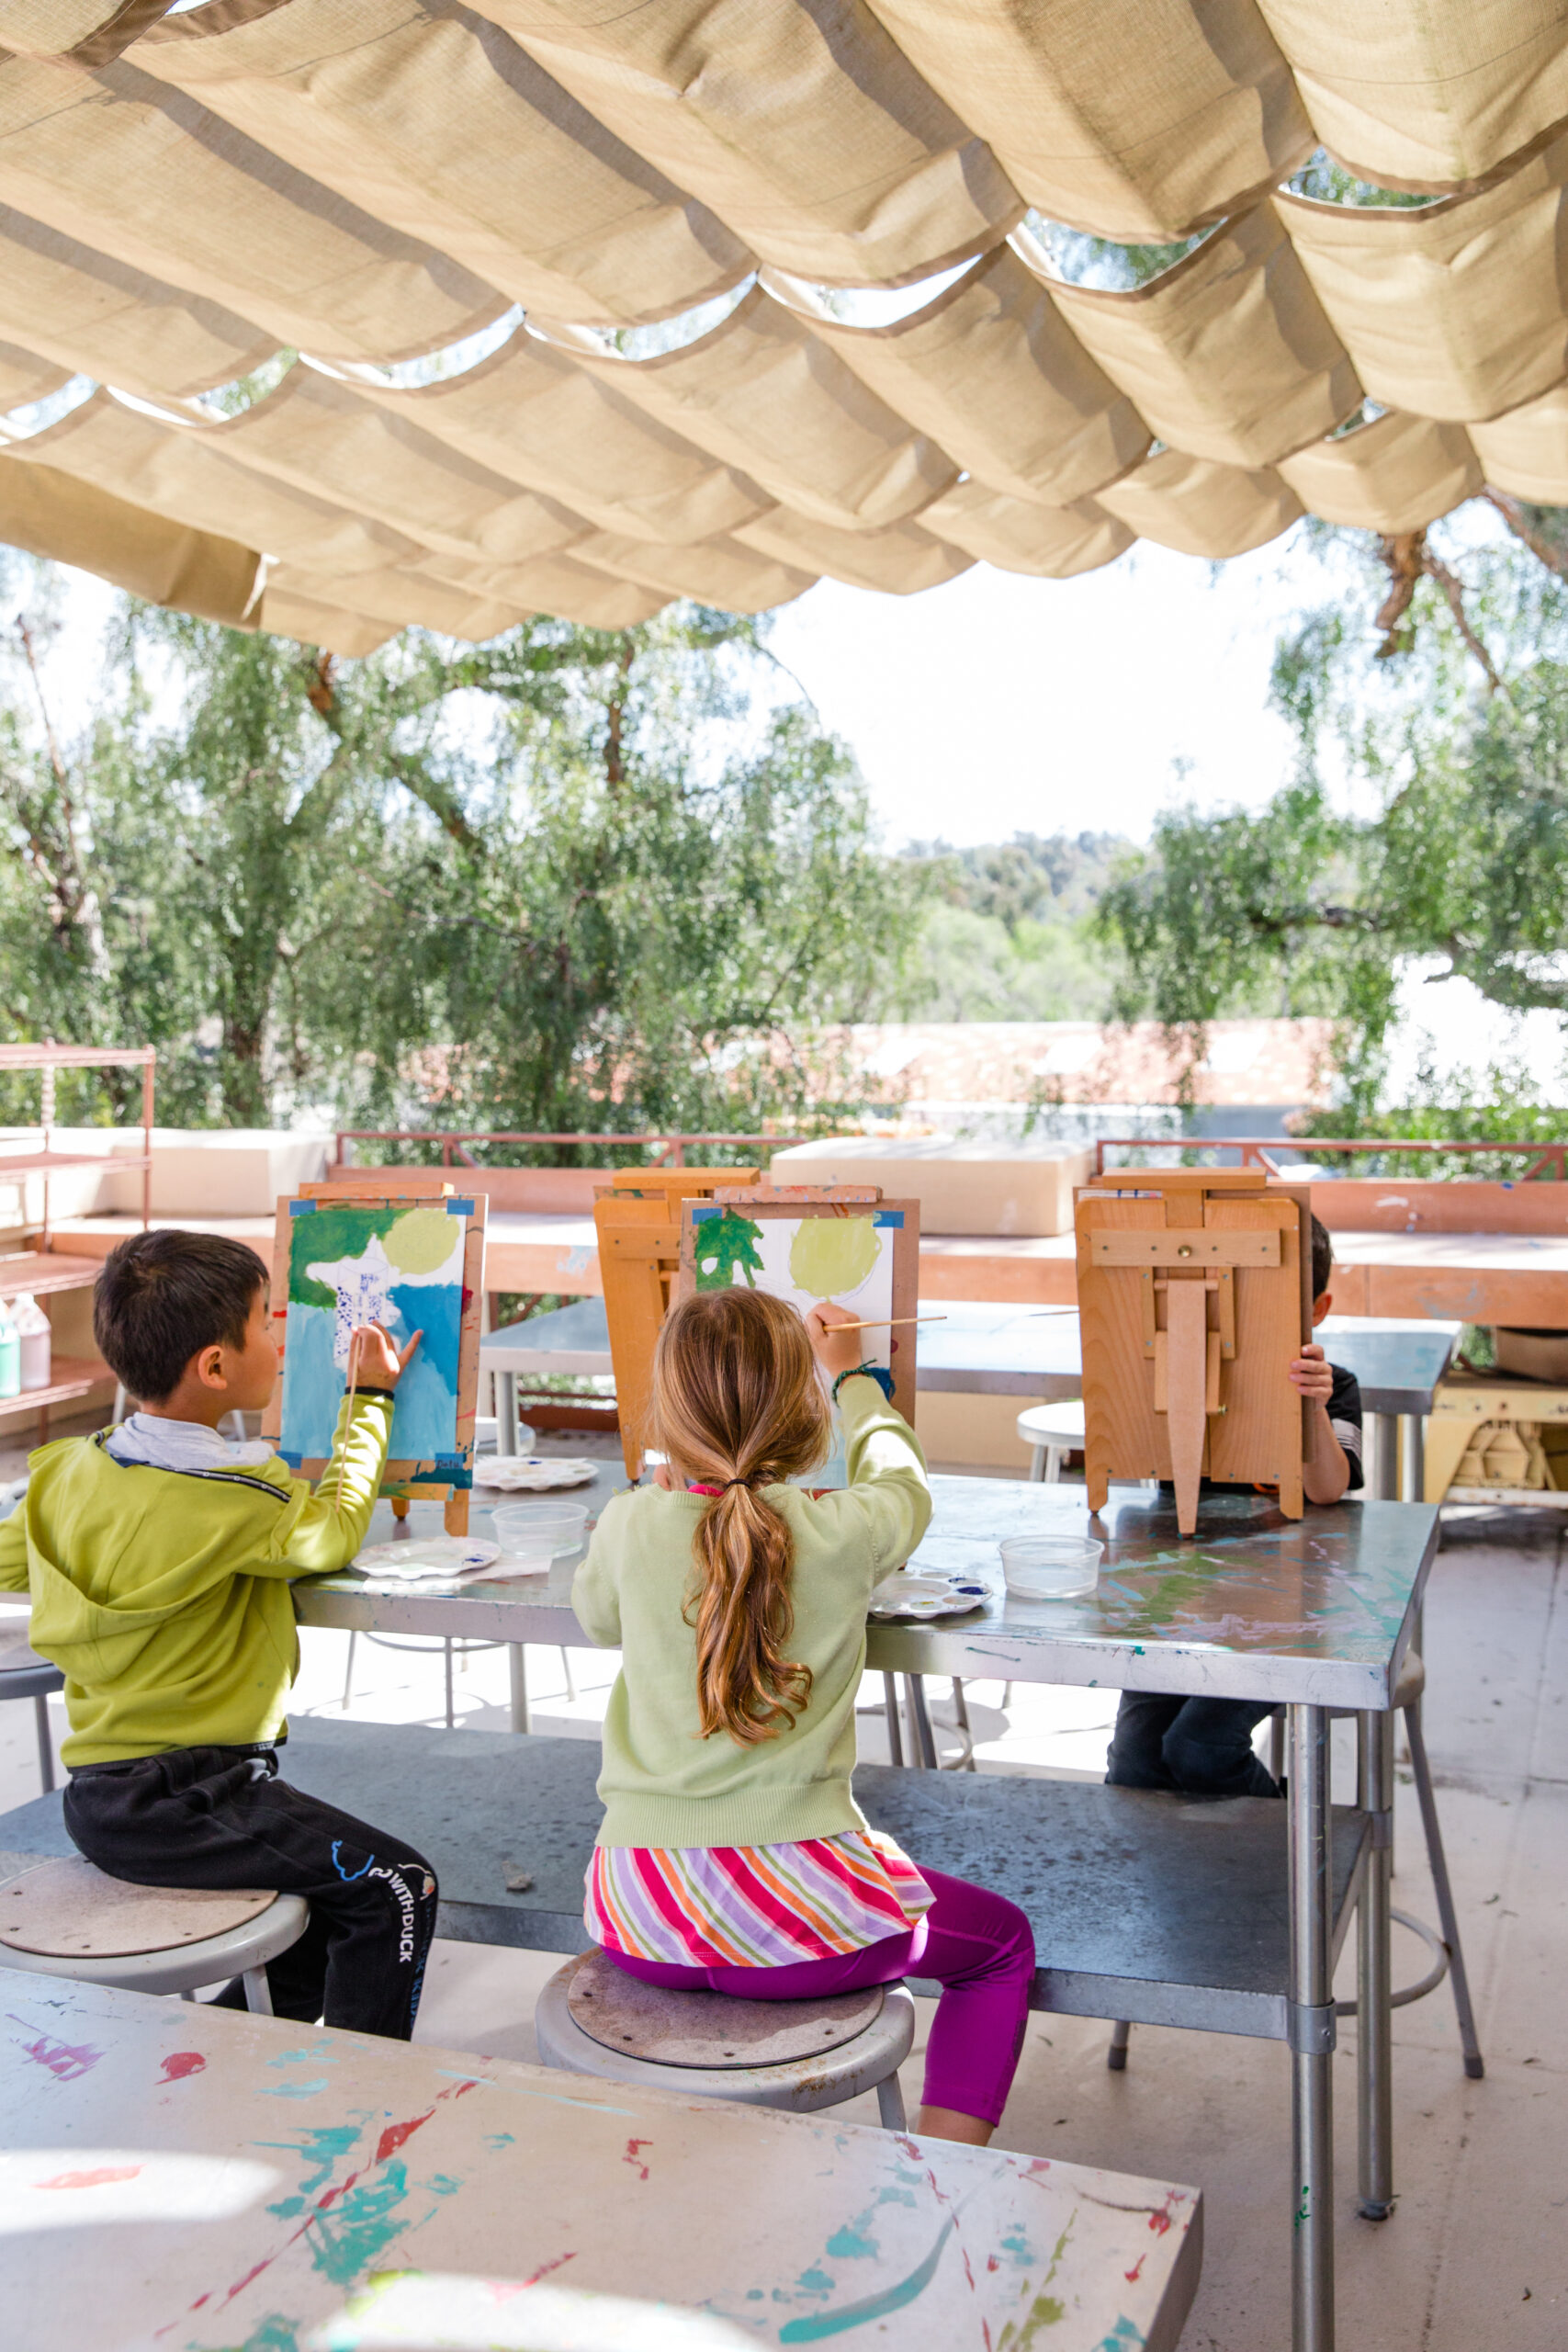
[1315,1611]
[574,1338]
[1397,1365]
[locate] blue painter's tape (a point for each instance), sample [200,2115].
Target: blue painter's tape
[459,1208]
[302,1208]
[701,1215]
[888,1216]
[293,1460]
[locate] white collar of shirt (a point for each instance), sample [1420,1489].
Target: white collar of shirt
[181,1445]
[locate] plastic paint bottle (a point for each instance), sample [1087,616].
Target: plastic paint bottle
[10,1356]
[36,1339]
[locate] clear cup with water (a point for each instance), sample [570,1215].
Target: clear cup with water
[1052,1568]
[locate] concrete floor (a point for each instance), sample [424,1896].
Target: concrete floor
[1476,2258]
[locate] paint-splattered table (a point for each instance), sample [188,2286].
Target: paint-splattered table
[184,2176]
[1314,1613]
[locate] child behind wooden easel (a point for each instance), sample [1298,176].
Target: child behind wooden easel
[159,1565]
[733,1858]
[1203,1746]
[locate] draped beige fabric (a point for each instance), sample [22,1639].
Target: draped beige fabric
[1199,508]
[1053,542]
[52,514]
[995,375]
[1135,118]
[1526,452]
[1227,355]
[806,127]
[1456,310]
[727,223]
[1393,475]
[441,127]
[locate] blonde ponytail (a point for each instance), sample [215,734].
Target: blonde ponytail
[738,1405]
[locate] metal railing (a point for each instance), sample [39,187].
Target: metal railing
[1548,1160]
[670,1147]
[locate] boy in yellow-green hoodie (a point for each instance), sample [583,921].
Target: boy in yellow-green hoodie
[159,1561]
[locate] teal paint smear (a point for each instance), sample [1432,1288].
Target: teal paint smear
[346,2238]
[817,2325]
[321,2146]
[1022,2252]
[848,2245]
[293,2090]
[1123,2337]
[816,2280]
[496,2140]
[275,2333]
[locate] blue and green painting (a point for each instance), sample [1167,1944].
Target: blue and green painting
[367,1262]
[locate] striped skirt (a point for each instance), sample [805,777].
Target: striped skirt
[751,1906]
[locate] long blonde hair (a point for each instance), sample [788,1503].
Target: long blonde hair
[738,1404]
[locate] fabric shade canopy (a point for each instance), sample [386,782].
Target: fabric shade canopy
[335,316]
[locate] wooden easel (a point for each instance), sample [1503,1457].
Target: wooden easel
[402,1481]
[637,1215]
[1194,1296]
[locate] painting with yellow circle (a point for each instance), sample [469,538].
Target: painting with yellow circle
[373,1261]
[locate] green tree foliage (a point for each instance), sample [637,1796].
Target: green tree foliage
[1008,934]
[571,879]
[1448,716]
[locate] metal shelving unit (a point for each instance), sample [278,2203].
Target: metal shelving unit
[40,1268]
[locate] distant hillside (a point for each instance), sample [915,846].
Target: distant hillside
[1008,937]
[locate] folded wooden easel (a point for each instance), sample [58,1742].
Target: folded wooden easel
[1194,1297]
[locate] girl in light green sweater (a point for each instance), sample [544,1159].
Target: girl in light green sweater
[733,1855]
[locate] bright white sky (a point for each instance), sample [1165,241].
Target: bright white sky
[998,705]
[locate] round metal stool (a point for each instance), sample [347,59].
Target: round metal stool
[66,1918]
[593,2019]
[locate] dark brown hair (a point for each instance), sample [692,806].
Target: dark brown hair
[738,1404]
[163,1297]
[1322,1257]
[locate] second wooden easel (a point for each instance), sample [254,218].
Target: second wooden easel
[1195,1295]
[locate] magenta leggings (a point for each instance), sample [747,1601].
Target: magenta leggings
[978,1946]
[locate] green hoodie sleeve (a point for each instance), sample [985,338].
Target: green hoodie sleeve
[13,1553]
[595,1599]
[887,1484]
[333,1523]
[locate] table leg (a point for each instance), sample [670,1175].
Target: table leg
[1382,1457]
[1374,1983]
[518,1661]
[1413,1478]
[890,1709]
[1311,2036]
[922,1740]
[506,1412]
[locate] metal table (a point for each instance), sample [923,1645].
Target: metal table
[1316,1613]
[1398,1365]
[390,2194]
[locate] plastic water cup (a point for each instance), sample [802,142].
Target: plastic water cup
[1052,1568]
[538,1533]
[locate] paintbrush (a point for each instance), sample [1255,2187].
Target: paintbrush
[886,1323]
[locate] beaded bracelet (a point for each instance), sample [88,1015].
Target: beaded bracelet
[876,1372]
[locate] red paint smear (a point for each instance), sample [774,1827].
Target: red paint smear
[1160,2219]
[90,2179]
[60,2057]
[394,2135]
[633,2156]
[180,2063]
[908,2146]
[1132,2276]
[968,2270]
[986,2332]
[504,2289]
[992,2262]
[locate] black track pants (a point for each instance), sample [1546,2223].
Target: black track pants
[221,1817]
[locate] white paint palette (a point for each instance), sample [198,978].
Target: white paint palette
[532,1474]
[908,1593]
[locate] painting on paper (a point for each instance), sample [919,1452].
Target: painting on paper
[845,1257]
[399,1263]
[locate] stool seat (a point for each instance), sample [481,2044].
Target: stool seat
[1052,1424]
[68,1918]
[594,2019]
